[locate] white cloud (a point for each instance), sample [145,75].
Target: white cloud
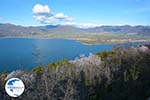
[87,25]
[53,19]
[61,16]
[43,14]
[38,8]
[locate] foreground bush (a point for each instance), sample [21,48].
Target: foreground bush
[120,74]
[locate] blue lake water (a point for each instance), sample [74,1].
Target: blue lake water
[21,53]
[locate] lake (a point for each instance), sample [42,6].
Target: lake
[24,53]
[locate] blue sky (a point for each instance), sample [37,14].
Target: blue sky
[75,12]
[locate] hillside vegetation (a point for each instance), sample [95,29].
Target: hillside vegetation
[120,74]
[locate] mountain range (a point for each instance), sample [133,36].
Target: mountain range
[8,30]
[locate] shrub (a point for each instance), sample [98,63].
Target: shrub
[37,69]
[62,62]
[103,54]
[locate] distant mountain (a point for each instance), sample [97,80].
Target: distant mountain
[14,30]
[143,30]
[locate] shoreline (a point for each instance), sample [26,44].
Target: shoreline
[81,41]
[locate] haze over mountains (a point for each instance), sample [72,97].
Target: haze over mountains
[18,31]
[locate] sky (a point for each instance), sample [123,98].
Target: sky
[81,13]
